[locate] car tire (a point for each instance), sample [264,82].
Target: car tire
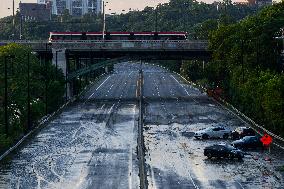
[209,155]
[225,136]
[230,156]
[205,136]
[235,136]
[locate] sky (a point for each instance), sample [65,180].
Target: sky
[114,5]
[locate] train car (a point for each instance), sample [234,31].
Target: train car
[113,36]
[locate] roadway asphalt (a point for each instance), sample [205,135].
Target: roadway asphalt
[174,110]
[92,144]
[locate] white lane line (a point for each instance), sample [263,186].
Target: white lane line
[240,184]
[183,88]
[99,87]
[180,85]
[110,110]
[109,90]
[195,186]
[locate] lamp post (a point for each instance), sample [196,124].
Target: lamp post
[6,93]
[45,76]
[28,91]
[56,61]
[13,19]
[156,20]
[104,19]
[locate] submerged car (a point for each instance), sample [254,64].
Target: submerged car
[223,151]
[213,132]
[241,132]
[248,142]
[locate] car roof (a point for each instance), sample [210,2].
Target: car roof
[240,128]
[247,137]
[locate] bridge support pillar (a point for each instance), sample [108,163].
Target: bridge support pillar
[60,60]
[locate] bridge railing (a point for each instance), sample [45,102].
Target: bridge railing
[115,45]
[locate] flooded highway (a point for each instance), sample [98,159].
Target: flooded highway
[93,143]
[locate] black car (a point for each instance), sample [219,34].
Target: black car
[223,151]
[241,132]
[248,142]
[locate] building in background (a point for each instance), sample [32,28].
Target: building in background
[41,1]
[75,7]
[34,11]
[260,3]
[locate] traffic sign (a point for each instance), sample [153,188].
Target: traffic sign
[266,140]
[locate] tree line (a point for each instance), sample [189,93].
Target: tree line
[26,77]
[177,15]
[246,64]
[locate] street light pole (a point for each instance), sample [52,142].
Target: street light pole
[104,20]
[29,97]
[156,20]
[13,19]
[6,96]
[56,61]
[21,26]
[242,60]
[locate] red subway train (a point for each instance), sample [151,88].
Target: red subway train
[113,36]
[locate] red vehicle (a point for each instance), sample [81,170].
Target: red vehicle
[112,36]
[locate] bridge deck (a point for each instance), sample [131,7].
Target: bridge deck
[145,45]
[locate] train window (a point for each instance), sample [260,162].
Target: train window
[67,37]
[156,36]
[114,37]
[164,37]
[76,37]
[131,37]
[90,37]
[59,37]
[107,36]
[54,37]
[124,37]
[84,36]
[98,37]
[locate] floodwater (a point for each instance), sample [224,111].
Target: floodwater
[93,142]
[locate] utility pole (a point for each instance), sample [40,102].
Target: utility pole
[242,60]
[104,20]
[13,19]
[29,97]
[156,20]
[21,26]
[6,93]
[6,97]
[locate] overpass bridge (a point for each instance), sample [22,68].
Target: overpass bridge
[83,57]
[146,49]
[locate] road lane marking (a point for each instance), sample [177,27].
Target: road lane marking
[183,88]
[131,150]
[240,184]
[98,87]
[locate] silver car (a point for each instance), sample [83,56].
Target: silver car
[213,132]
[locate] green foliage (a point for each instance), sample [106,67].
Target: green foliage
[171,65]
[246,66]
[17,91]
[280,168]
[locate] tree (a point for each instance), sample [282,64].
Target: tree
[17,91]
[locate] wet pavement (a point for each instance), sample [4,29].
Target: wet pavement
[92,144]
[175,159]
